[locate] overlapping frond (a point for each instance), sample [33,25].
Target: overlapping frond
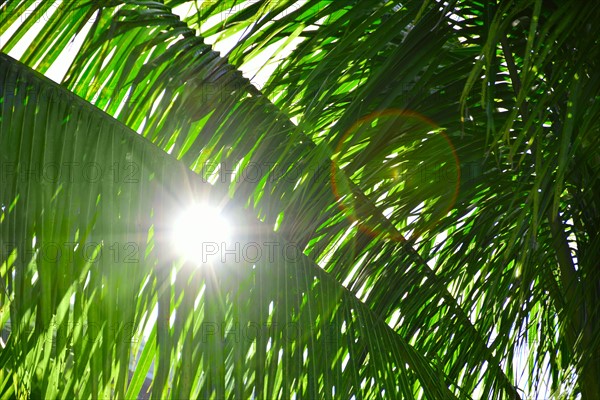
[438,159]
[88,260]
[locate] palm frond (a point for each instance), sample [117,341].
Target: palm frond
[466,218]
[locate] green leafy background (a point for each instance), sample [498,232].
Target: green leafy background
[433,168]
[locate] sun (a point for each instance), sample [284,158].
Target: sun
[199,233]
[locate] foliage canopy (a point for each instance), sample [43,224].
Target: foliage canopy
[420,179]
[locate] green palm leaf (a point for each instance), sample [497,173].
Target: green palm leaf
[73,310]
[464,217]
